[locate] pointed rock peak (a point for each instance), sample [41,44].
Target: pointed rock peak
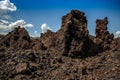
[17,39]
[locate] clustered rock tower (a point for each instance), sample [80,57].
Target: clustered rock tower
[72,39]
[103,37]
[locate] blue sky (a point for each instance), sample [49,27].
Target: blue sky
[50,12]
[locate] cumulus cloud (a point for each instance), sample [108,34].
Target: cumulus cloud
[6,21]
[16,23]
[117,34]
[35,34]
[3,33]
[3,25]
[12,25]
[28,25]
[21,23]
[45,27]
[6,5]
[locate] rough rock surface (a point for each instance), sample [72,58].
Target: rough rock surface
[72,38]
[17,39]
[115,44]
[103,37]
[25,58]
[44,65]
[37,45]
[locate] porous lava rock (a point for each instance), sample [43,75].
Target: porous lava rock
[16,39]
[72,38]
[26,58]
[103,37]
[115,44]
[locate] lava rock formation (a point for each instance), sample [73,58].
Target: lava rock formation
[17,39]
[68,54]
[72,39]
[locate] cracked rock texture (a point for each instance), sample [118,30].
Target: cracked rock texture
[68,54]
[72,39]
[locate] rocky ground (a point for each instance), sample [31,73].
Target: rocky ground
[68,54]
[43,65]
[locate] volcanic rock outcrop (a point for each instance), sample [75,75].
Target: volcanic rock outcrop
[72,39]
[25,58]
[104,39]
[17,39]
[115,44]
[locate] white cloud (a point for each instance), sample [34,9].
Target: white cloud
[35,34]
[3,22]
[6,26]
[28,25]
[7,17]
[17,23]
[6,22]
[21,23]
[117,34]
[3,33]
[44,28]
[6,5]
[3,27]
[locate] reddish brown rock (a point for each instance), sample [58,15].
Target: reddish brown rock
[21,67]
[17,39]
[115,45]
[48,39]
[38,45]
[72,38]
[40,62]
[103,37]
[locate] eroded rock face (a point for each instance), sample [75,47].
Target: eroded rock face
[74,26]
[48,39]
[39,61]
[38,45]
[115,45]
[72,38]
[103,37]
[17,39]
